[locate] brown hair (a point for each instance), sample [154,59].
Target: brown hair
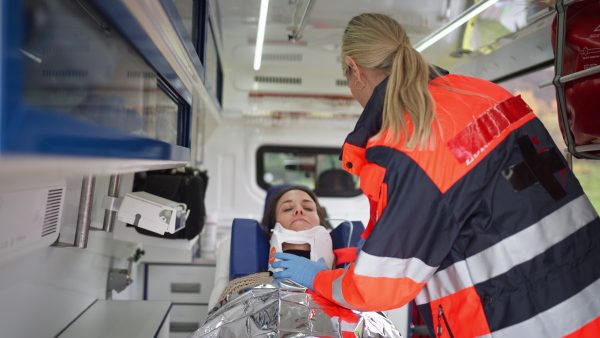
[379,42]
[271,215]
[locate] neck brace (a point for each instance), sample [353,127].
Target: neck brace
[318,238]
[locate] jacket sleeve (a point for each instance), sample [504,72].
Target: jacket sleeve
[413,234]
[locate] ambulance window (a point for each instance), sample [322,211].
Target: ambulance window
[316,168]
[543,103]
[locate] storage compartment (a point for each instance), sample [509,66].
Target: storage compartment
[185,283]
[186,319]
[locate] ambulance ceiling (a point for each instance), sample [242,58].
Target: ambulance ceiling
[315,55]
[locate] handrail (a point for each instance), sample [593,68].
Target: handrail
[111,215]
[541,14]
[572,76]
[588,147]
[84,216]
[546,12]
[297,33]
[560,78]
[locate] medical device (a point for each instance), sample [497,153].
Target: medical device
[318,238]
[152,212]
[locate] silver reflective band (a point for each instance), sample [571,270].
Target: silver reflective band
[374,266]
[560,320]
[511,251]
[336,291]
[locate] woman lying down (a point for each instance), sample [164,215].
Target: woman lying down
[268,304]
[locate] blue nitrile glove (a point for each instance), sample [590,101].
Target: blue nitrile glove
[359,245]
[299,269]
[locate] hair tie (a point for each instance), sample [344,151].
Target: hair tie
[398,47]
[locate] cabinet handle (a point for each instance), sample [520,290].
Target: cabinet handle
[185,287]
[187,327]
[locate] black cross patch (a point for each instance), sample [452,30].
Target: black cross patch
[536,167]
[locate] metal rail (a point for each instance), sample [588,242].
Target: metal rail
[84,216]
[111,215]
[297,33]
[560,79]
[574,76]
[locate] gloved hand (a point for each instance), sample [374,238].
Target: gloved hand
[299,269]
[359,245]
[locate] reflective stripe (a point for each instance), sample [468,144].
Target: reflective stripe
[336,291]
[560,320]
[478,135]
[375,266]
[453,279]
[511,251]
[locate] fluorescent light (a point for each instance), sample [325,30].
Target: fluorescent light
[454,24]
[260,35]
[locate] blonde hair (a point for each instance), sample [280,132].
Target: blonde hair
[379,42]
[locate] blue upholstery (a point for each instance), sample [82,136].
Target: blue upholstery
[249,248]
[250,245]
[339,235]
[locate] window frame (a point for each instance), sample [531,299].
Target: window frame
[269,148]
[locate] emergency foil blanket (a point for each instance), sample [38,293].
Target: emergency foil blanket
[289,311]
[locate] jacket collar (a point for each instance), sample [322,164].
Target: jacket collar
[369,122]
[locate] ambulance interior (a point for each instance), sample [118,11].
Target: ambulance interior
[97,93]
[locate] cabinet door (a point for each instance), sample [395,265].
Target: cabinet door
[80,85]
[185,319]
[179,283]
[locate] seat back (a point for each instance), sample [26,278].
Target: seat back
[250,245]
[336,183]
[249,248]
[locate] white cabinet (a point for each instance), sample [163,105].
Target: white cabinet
[189,287]
[186,318]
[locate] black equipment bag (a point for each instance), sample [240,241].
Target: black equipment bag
[187,187]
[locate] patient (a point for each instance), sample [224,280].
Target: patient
[280,209]
[292,216]
[298,225]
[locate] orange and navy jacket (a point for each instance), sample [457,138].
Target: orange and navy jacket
[488,231]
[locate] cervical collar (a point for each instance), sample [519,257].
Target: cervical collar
[318,238]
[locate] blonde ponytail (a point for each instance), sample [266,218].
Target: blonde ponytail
[379,42]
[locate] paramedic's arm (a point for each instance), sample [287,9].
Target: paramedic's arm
[413,235]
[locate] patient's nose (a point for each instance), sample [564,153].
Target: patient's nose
[299,210]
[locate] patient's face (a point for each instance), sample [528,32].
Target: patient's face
[297,211]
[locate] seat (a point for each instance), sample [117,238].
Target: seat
[250,245]
[249,248]
[336,183]
[247,251]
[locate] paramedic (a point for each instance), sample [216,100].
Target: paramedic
[474,213]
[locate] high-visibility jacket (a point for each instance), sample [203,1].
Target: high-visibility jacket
[488,231]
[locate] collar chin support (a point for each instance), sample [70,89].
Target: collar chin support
[318,238]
